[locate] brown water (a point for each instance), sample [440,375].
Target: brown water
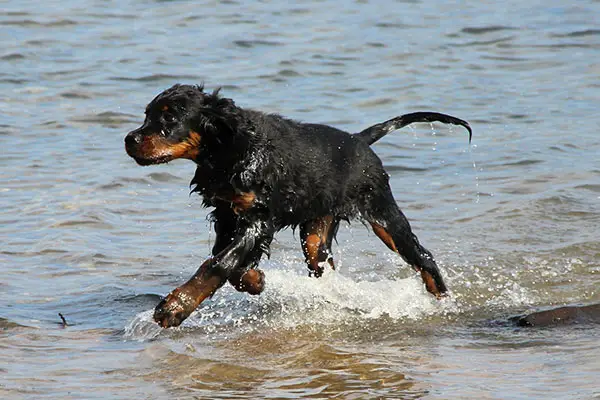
[513,220]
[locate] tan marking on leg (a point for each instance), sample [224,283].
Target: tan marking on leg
[182,301]
[243,201]
[430,284]
[428,280]
[314,243]
[384,236]
[311,246]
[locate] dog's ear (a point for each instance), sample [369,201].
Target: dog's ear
[225,106]
[226,123]
[219,115]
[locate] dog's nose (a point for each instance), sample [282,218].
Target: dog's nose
[133,138]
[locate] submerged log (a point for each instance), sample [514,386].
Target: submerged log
[578,314]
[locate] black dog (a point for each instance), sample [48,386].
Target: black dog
[262,173]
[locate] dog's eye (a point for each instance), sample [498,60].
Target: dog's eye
[168,117]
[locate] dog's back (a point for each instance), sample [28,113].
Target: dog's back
[317,170]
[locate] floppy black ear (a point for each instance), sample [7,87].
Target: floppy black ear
[227,123]
[218,118]
[225,106]
[222,113]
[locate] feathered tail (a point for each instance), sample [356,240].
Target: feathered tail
[376,132]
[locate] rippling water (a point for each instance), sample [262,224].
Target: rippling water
[513,219]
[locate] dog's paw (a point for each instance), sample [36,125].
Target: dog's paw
[174,309]
[434,284]
[316,271]
[254,281]
[251,281]
[441,296]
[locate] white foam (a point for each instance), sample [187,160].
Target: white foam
[292,299]
[340,295]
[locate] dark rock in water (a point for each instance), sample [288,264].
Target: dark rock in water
[561,316]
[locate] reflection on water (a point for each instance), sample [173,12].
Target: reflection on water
[512,219]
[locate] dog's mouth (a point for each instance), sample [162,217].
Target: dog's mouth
[153,149]
[152,161]
[148,154]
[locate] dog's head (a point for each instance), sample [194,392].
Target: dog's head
[179,122]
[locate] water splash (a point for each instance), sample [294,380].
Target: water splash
[142,327]
[433,133]
[477,191]
[336,297]
[292,299]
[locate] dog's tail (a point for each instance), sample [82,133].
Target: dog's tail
[376,132]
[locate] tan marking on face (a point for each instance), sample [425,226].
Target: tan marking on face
[189,148]
[156,146]
[165,108]
[153,146]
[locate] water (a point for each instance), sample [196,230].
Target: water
[512,220]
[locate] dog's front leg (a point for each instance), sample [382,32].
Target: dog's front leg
[211,275]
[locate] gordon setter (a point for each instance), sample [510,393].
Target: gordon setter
[262,173]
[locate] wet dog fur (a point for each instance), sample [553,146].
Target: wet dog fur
[262,173]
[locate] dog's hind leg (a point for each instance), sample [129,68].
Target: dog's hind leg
[392,227]
[316,237]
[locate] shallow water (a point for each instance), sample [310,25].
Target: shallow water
[512,220]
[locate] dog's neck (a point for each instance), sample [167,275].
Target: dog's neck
[218,172]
